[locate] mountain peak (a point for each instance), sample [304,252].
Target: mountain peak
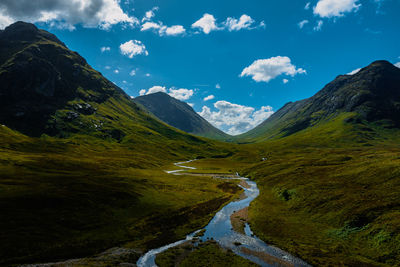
[24,31]
[179,114]
[373,94]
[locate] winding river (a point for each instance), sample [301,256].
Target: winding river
[220,229]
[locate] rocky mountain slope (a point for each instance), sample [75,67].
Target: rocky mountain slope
[372,95]
[180,115]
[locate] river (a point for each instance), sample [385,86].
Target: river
[220,229]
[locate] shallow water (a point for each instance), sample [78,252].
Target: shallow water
[220,229]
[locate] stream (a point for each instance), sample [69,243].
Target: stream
[220,230]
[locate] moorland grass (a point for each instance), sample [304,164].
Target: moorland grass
[73,197]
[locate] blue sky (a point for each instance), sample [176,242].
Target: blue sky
[252,56]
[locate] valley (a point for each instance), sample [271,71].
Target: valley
[87,174]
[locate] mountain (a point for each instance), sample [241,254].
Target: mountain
[81,164]
[48,89]
[370,96]
[180,115]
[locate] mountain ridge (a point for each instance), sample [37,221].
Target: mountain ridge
[179,114]
[373,94]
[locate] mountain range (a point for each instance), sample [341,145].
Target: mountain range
[82,164]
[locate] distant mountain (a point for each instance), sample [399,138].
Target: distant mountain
[180,115]
[45,88]
[372,95]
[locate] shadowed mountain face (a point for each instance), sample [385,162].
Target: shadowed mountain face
[40,75]
[179,114]
[372,94]
[47,88]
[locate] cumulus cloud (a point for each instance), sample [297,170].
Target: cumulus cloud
[397,64]
[302,23]
[150,26]
[162,29]
[354,71]
[156,89]
[210,97]
[207,23]
[218,86]
[318,27]
[66,14]
[133,48]
[335,8]
[175,30]
[149,14]
[233,118]
[178,93]
[116,71]
[181,94]
[244,22]
[264,70]
[285,81]
[159,27]
[105,49]
[132,73]
[307,6]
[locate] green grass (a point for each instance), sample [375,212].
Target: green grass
[205,254]
[329,194]
[67,198]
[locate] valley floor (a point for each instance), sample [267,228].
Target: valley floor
[330,206]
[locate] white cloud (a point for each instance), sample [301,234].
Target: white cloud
[181,94]
[4,19]
[162,30]
[307,6]
[147,74]
[210,97]
[335,8]
[107,67]
[132,73]
[191,104]
[175,30]
[116,71]
[397,64]
[318,27]
[218,86]
[65,14]
[285,81]
[302,23]
[244,22]
[354,71]
[149,14]
[233,118]
[156,89]
[105,48]
[206,24]
[133,48]
[150,26]
[264,70]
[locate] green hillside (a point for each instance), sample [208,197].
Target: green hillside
[373,94]
[180,115]
[81,165]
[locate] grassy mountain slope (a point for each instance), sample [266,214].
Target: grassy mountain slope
[330,179]
[180,115]
[373,94]
[81,165]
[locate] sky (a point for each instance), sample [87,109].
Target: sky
[235,62]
